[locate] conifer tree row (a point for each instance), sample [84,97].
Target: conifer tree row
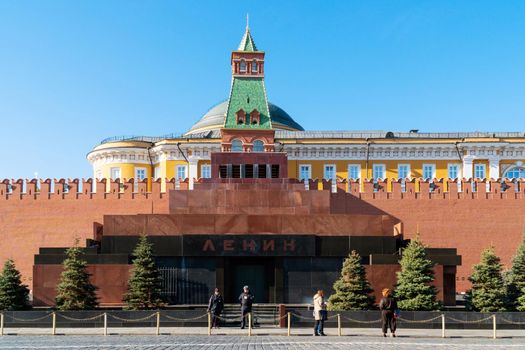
[352,289]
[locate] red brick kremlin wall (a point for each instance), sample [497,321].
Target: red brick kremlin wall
[52,218]
[469,221]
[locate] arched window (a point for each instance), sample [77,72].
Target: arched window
[258,146]
[254,66]
[515,173]
[236,146]
[242,66]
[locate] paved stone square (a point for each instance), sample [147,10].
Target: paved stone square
[418,340]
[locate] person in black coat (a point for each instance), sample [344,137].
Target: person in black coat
[246,300]
[388,307]
[215,307]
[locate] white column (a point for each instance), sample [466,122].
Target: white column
[192,170]
[467,167]
[494,168]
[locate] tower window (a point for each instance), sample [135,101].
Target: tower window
[258,146]
[254,66]
[236,146]
[242,66]
[255,117]
[241,116]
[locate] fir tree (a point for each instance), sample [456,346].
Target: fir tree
[144,285]
[352,290]
[516,279]
[74,291]
[13,294]
[414,289]
[488,293]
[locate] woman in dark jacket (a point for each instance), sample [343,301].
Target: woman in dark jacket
[388,307]
[215,307]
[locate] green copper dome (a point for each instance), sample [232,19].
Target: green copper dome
[215,117]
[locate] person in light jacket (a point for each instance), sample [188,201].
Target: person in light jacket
[319,313]
[215,307]
[388,307]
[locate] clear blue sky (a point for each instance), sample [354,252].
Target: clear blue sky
[75,72]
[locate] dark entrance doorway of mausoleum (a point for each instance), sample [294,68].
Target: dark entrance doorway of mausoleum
[257,273]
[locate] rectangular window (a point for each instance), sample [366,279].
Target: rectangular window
[403,171]
[429,171]
[248,171]
[261,171]
[329,172]
[378,171]
[223,171]
[354,171]
[453,171]
[236,171]
[140,174]
[479,171]
[115,173]
[180,173]
[305,172]
[205,171]
[275,171]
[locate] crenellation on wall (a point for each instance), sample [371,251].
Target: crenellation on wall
[415,188]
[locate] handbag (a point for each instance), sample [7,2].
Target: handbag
[397,313]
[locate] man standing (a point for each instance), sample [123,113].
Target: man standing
[215,306]
[246,300]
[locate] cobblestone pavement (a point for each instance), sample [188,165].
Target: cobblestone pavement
[164,342]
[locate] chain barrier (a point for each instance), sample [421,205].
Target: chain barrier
[184,319]
[359,321]
[511,322]
[419,321]
[468,322]
[233,318]
[80,319]
[29,319]
[302,317]
[134,320]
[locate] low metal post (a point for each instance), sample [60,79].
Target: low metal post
[209,323]
[289,320]
[1,324]
[442,325]
[494,326]
[157,331]
[338,324]
[54,325]
[105,323]
[249,324]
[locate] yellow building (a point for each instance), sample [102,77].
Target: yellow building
[311,154]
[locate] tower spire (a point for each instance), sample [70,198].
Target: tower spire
[247,21]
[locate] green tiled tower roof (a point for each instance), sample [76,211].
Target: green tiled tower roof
[248,94]
[247,44]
